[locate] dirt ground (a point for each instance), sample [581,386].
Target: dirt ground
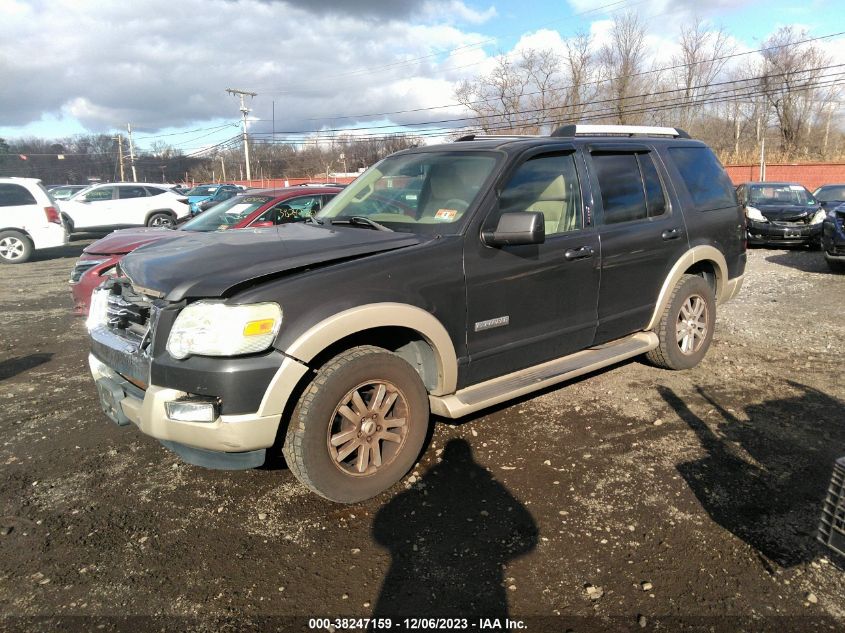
[631,499]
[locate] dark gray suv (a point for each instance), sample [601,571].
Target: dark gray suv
[490,267]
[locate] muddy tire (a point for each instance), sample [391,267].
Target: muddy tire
[359,426]
[15,247]
[685,329]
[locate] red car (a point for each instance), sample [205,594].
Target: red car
[254,209]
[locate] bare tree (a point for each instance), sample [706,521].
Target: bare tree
[622,62]
[579,87]
[790,83]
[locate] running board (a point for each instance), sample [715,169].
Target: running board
[497,390]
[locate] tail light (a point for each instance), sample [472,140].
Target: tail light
[52,215]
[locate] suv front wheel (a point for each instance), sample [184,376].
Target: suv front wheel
[685,329]
[359,426]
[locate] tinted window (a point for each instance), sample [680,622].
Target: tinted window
[621,185]
[548,185]
[706,181]
[131,192]
[655,198]
[13,195]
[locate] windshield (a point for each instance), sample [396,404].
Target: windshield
[828,194]
[428,192]
[780,194]
[202,190]
[226,214]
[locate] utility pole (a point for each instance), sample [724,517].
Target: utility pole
[120,156]
[244,112]
[132,153]
[223,167]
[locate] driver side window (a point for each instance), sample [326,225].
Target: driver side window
[547,184]
[98,195]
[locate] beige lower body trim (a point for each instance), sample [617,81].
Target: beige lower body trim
[732,288]
[519,383]
[228,433]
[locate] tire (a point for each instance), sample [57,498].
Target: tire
[68,223]
[835,266]
[161,220]
[324,447]
[687,298]
[15,247]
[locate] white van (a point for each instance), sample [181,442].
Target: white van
[29,220]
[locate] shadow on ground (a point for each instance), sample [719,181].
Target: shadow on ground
[764,479]
[802,259]
[450,538]
[19,364]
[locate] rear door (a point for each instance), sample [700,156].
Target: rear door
[132,205]
[531,303]
[642,234]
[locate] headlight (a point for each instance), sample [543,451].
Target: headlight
[210,328]
[753,213]
[819,217]
[97,309]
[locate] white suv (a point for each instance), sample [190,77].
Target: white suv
[29,220]
[118,205]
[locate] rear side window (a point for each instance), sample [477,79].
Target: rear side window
[154,191]
[707,183]
[14,195]
[131,192]
[630,186]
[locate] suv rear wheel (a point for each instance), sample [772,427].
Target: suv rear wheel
[359,426]
[685,329]
[15,248]
[161,220]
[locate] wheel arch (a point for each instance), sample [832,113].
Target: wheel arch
[150,214]
[704,260]
[17,229]
[413,333]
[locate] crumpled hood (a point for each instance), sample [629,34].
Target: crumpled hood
[209,264]
[787,212]
[127,240]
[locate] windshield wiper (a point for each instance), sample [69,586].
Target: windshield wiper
[360,220]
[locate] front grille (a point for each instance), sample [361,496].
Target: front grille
[798,223]
[124,342]
[80,269]
[832,525]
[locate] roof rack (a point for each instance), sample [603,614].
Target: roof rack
[618,130]
[495,137]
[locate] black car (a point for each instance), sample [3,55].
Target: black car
[833,238]
[830,196]
[490,268]
[780,213]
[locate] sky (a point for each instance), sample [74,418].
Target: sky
[368,66]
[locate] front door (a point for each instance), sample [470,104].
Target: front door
[96,211]
[531,303]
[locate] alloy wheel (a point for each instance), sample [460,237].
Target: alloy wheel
[12,248]
[691,328]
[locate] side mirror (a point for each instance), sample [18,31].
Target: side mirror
[525,227]
[264,224]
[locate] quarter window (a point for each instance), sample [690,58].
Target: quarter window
[546,184]
[14,195]
[706,181]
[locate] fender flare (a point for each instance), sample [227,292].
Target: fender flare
[348,322]
[696,254]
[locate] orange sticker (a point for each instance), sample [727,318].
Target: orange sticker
[446,214]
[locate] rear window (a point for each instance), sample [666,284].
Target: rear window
[706,180]
[13,195]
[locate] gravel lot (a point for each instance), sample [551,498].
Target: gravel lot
[634,498]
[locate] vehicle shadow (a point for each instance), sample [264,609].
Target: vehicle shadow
[450,537]
[19,364]
[765,479]
[803,260]
[68,250]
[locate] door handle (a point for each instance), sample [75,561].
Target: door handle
[578,253]
[671,234]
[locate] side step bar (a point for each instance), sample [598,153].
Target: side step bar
[497,390]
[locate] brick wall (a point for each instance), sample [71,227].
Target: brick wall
[811,175]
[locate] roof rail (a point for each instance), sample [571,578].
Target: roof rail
[497,137]
[618,130]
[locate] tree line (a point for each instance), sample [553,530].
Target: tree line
[788,93]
